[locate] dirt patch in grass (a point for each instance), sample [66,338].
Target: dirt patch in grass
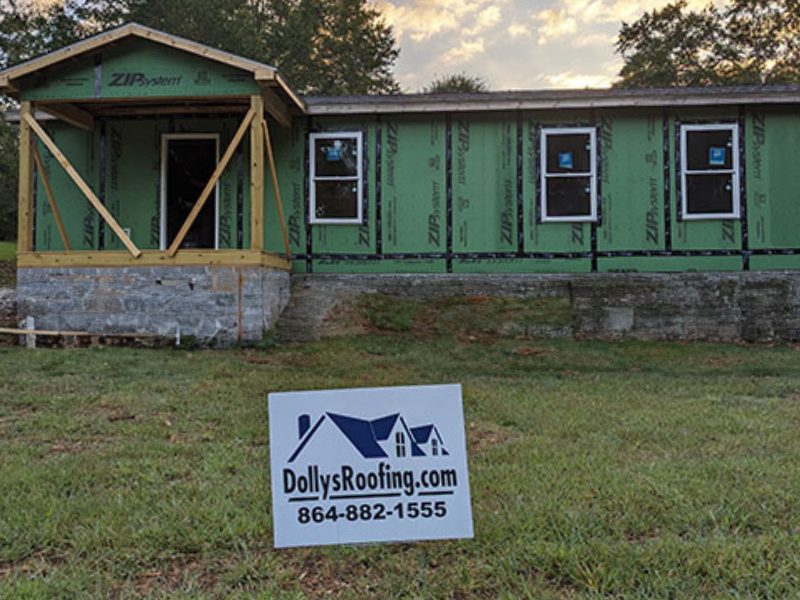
[725,362]
[174,574]
[484,435]
[320,579]
[36,564]
[284,359]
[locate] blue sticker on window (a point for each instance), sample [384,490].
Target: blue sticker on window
[716,157]
[334,153]
[565,160]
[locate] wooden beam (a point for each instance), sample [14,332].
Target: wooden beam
[13,331]
[151,258]
[257,175]
[198,206]
[275,107]
[69,113]
[280,83]
[275,261]
[277,191]
[49,191]
[172,110]
[87,191]
[97,103]
[25,206]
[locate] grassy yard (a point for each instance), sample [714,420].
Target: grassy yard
[628,470]
[8,263]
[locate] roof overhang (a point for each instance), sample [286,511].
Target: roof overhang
[266,77]
[554,100]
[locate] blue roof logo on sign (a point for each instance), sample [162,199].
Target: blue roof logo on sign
[385,437]
[565,160]
[716,157]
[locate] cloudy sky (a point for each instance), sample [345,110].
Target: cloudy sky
[512,44]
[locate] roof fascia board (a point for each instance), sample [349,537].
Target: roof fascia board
[135,30]
[656,101]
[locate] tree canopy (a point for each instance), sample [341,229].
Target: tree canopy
[322,46]
[8,180]
[749,42]
[457,83]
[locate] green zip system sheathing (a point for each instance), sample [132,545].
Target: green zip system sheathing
[456,193]
[130,152]
[137,69]
[81,221]
[461,193]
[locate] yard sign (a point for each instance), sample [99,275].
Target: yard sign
[369,465]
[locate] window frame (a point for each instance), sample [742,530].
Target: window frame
[400,444]
[734,171]
[592,174]
[314,178]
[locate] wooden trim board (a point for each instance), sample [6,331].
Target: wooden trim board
[151,258]
[212,183]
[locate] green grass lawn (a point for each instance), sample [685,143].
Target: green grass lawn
[8,251]
[8,263]
[629,470]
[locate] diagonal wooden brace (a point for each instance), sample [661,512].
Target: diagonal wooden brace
[87,191]
[198,206]
[51,198]
[274,173]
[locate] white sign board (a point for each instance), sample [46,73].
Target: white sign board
[369,465]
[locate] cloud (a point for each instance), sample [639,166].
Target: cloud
[518,44]
[486,19]
[420,20]
[37,5]
[555,24]
[516,30]
[461,54]
[578,80]
[569,17]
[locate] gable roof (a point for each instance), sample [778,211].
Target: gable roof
[262,73]
[363,435]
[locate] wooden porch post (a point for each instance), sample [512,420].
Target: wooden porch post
[257,174]
[25,208]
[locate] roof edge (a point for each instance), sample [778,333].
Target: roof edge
[554,99]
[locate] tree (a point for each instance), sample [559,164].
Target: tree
[750,42]
[321,46]
[457,83]
[9,173]
[28,30]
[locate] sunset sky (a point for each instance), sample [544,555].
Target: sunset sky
[512,44]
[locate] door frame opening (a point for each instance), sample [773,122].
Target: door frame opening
[165,140]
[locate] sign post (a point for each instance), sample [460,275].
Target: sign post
[369,465]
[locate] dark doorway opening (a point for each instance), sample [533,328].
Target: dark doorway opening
[189,161]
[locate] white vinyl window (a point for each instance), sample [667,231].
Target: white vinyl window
[710,171]
[569,174]
[336,178]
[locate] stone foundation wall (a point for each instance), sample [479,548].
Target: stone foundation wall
[752,307]
[209,303]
